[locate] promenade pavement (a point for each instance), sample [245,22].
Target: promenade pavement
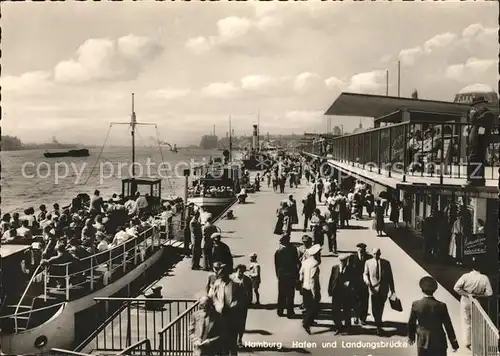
[252,231]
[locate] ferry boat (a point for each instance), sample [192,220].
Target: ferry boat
[44,306]
[216,188]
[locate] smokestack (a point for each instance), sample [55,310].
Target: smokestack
[399,79]
[386,83]
[255,137]
[214,130]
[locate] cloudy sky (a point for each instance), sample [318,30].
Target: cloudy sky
[69,68]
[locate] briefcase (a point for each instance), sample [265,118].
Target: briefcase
[395,303]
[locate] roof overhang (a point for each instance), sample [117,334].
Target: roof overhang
[366,105]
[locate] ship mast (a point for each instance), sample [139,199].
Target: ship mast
[132,124]
[230,139]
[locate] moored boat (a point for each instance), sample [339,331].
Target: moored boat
[47,303]
[71,153]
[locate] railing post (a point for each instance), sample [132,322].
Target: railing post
[67,282]
[441,159]
[405,148]
[379,163]
[91,272]
[129,326]
[45,279]
[124,259]
[136,252]
[390,151]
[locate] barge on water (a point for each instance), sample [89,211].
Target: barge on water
[71,153]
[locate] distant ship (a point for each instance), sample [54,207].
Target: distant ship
[71,153]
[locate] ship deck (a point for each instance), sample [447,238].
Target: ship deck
[251,231]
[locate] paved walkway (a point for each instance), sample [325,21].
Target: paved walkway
[251,231]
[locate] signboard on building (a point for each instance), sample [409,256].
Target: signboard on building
[475,246]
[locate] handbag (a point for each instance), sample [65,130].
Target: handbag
[395,303]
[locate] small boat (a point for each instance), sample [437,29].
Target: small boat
[71,153]
[216,189]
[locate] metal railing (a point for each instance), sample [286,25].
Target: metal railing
[175,337]
[410,149]
[98,270]
[62,352]
[141,348]
[131,321]
[484,334]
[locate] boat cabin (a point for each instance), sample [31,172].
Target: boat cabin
[150,186]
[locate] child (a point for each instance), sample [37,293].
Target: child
[254,274]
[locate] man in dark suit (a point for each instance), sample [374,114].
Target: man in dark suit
[286,262]
[206,330]
[428,317]
[379,280]
[481,122]
[340,288]
[357,263]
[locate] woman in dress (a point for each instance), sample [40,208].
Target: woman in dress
[292,203]
[395,207]
[379,218]
[280,215]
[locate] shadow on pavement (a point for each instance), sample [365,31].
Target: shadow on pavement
[260,332]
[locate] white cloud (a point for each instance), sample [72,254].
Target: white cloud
[231,30]
[368,82]
[198,45]
[220,90]
[473,68]
[334,83]
[307,82]
[439,41]
[258,82]
[106,59]
[169,93]
[409,55]
[27,83]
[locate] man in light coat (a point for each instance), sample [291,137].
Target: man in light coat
[311,290]
[379,280]
[206,330]
[473,284]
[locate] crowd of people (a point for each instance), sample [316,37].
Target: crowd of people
[360,280]
[86,227]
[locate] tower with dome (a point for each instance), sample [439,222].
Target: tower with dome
[467,94]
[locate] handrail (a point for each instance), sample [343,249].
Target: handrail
[62,352]
[180,316]
[138,344]
[24,295]
[166,300]
[32,310]
[484,315]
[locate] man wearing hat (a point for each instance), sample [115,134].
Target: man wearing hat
[208,230]
[196,239]
[212,277]
[221,252]
[379,279]
[311,290]
[481,122]
[433,320]
[340,288]
[357,263]
[286,262]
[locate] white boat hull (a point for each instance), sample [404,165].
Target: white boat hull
[211,201]
[60,329]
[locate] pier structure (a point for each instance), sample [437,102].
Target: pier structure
[267,333]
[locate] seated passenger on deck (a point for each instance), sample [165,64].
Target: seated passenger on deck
[24,231]
[102,242]
[120,237]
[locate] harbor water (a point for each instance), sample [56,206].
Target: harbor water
[29,179]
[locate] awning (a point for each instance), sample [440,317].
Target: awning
[366,105]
